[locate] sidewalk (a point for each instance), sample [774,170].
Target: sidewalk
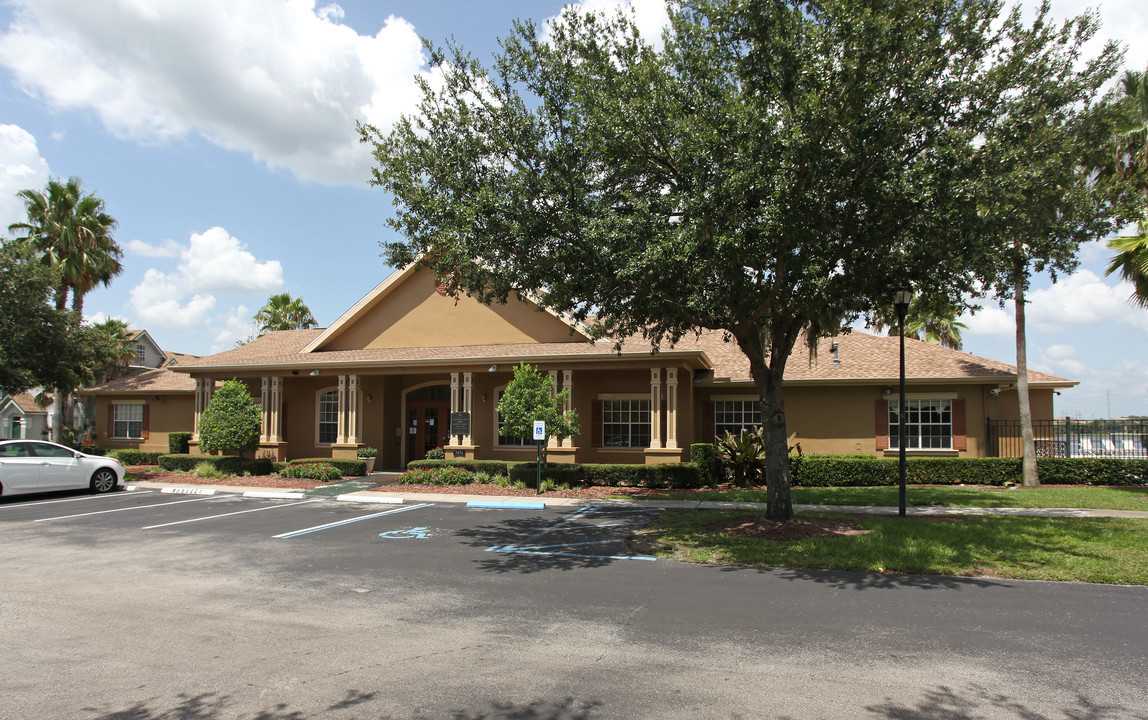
[555,502]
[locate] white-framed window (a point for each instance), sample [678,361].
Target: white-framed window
[626,423]
[328,420]
[736,415]
[928,424]
[127,421]
[141,354]
[510,441]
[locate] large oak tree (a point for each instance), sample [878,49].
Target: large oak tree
[775,169]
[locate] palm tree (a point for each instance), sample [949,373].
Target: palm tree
[282,312]
[71,231]
[122,346]
[1131,257]
[933,322]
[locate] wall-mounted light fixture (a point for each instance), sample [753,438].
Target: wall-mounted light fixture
[294,372]
[484,397]
[368,398]
[492,368]
[314,373]
[155,398]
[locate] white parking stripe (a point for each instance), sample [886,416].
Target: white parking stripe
[317,528]
[238,512]
[137,507]
[105,496]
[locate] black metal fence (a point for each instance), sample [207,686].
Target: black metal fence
[1120,439]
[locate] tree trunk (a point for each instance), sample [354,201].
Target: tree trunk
[58,419]
[779,504]
[1029,476]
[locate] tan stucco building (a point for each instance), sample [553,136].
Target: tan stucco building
[392,371]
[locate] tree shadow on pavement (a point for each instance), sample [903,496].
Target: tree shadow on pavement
[976,702]
[214,706]
[850,580]
[525,545]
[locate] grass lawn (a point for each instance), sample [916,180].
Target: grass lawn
[1098,498]
[1100,550]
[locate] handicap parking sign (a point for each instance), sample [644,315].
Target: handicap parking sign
[539,429]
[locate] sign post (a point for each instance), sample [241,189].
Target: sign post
[539,437]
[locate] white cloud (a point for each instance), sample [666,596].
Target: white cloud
[166,249]
[1061,360]
[217,261]
[213,261]
[279,80]
[237,326]
[990,321]
[21,168]
[1079,300]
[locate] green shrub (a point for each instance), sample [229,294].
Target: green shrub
[231,420]
[229,464]
[92,450]
[547,486]
[494,467]
[705,456]
[368,452]
[208,471]
[436,454]
[347,467]
[317,470]
[867,470]
[436,476]
[128,456]
[527,472]
[178,443]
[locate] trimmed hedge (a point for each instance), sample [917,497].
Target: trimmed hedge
[867,470]
[128,456]
[230,464]
[558,473]
[178,443]
[324,471]
[436,475]
[492,467]
[92,450]
[347,467]
[710,470]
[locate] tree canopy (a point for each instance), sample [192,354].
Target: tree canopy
[1131,161]
[777,170]
[72,231]
[530,396]
[282,312]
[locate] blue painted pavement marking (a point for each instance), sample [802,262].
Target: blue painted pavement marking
[581,513]
[317,528]
[422,533]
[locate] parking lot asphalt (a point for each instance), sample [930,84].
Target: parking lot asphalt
[151,604]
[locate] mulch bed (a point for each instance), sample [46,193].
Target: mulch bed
[756,526]
[150,473]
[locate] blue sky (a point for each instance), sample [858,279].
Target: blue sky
[221,135]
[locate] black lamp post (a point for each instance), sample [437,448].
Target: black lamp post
[901,305]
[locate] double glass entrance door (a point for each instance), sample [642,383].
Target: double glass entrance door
[428,420]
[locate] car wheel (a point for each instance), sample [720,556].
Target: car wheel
[103,480]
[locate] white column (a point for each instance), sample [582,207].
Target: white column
[204,388]
[655,407]
[265,405]
[671,408]
[276,429]
[353,409]
[467,403]
[568,386]
[341,423]
[454,405]
[552,441]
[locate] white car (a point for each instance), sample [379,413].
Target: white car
[33,466]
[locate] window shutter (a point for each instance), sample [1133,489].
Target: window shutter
[145,430]
[707,422]
[111,420]
[596,422]
[881,422]
[960,431]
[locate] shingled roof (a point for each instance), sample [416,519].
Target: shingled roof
[151,380]
[862,357]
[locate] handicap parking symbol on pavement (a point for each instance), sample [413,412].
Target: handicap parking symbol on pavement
[418,532]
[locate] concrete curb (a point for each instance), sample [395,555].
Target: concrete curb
[274,495]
